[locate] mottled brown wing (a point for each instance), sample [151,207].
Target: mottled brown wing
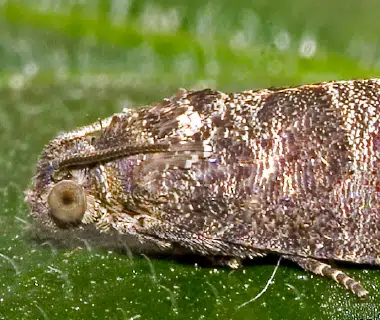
[283,180]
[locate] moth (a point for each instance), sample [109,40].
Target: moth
[293,172]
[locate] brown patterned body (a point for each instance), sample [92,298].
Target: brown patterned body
[292,171]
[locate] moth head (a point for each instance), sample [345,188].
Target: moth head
[67,212]
[69,208]
[59,201]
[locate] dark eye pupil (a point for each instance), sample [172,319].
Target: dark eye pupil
[67,198]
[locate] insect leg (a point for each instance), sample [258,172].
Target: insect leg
[233,263]
[326,270]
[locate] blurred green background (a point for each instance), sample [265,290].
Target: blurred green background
[67,63]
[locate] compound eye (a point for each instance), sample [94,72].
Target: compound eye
[67,201]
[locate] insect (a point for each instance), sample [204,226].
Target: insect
[289,171]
